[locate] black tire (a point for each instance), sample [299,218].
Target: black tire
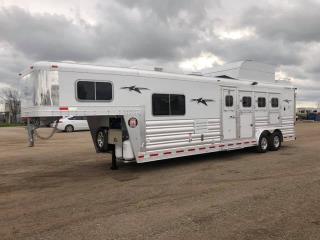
[69,128]
[102,140]
[275,141]
[263,144]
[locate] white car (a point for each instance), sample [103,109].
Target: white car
[70,124]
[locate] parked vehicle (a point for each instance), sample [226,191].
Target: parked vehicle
[145,116]
[72,123]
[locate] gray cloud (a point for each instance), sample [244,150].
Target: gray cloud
[121,32]
[11,62]
[264,50]
[165,32]
[195,11]
[46,36]
[297,22]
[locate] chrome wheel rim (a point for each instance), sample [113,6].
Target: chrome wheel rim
[276,141]
[264,143]
[100,139]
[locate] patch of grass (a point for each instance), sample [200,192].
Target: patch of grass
[11,125]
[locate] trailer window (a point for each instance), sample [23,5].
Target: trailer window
[177,104]
[229,101]
[168,104]
[160,104]
[86,90]
[246,102]
[274,102]
[103,91]
[91,90]
[261,102]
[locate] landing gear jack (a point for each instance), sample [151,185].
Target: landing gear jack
[114,165]
[30,128]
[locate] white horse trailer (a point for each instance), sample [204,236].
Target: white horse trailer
[152,115]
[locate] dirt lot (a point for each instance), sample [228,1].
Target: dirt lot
[62,189]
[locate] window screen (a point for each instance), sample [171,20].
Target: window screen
[177,104]
[91,90]
[229,101]
[103,91]
[86,90]
[261,102]
[246,102]
[168,104]
[160,104]
[274,102]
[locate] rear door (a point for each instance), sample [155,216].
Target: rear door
[229,120]
[274,108]
[245,114]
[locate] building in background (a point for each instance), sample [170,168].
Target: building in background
[2,113]
[10,106]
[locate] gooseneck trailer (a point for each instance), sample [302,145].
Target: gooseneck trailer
[146,116]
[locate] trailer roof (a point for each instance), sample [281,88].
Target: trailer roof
[77,67]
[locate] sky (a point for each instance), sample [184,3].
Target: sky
[178,35]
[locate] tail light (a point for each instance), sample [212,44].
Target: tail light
[63,108]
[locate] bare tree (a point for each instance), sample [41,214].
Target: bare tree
[10,97]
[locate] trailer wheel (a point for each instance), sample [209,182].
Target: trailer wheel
[263,143]
[69,128]
[102,140]
[275,141]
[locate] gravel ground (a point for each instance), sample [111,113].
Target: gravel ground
[62,189]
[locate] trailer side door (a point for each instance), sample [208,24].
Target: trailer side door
[229,120]
[245,114]
[274,108]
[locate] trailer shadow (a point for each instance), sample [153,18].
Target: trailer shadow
[187,160]
[131,171]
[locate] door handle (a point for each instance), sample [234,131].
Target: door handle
[232,117]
